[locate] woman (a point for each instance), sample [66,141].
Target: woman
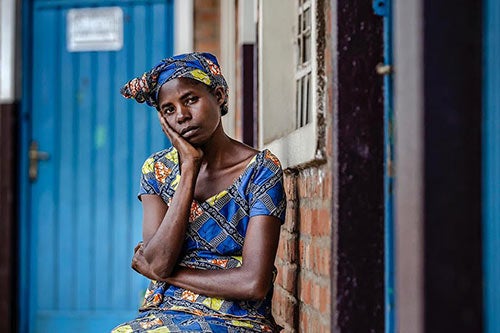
[212,210]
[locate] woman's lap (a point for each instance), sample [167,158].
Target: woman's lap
[174,321]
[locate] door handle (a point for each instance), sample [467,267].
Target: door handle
[384,69]
[34,156]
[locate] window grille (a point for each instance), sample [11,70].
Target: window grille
[303,95]
[291,80]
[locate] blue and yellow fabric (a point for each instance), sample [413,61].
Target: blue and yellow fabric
[199,66]
[214,240]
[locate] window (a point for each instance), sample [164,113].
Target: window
[303,65]
[291,98]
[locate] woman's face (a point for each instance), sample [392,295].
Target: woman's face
[190,109]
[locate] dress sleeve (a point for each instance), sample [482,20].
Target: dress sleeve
[149,182]
[267,194]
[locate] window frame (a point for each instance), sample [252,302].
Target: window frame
[305,145]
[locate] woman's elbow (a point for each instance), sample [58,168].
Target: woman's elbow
[153,270]
[161,272]
[258,288]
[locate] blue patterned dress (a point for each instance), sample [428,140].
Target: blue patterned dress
[214,240]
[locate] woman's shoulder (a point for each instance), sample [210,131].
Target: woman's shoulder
[166,158]
[266,158]
[263,167]
[169,153]
[259,157]
[166,155]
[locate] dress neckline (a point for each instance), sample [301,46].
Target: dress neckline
[220,194]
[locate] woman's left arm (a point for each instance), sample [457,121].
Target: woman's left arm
[252,280]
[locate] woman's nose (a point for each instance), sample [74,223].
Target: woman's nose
[183,114]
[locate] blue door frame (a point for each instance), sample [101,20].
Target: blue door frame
[129,118]
[384,8]
[491,166]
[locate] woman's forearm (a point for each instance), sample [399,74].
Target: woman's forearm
[160,253]
[237,283]
[250,281]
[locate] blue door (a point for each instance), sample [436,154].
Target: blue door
[80,217]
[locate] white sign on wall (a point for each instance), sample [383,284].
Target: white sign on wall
[94,29]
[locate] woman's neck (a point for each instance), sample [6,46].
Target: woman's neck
[217,149]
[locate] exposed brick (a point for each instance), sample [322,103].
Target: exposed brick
[284,307]
[206,26]
[305,291]
[325,300]
[305,220]
[303,321]
[310,183]
[304,255]
[327,186]
[206,35]
[301,187]
[204,4]
[291,217]
[290,184]
[281,253]
[316,326]
[320,253]
[287,247]
[288,277]
[322,222]
[316,322]
[316,295]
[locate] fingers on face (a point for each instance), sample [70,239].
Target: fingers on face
[166,128]
[173,136]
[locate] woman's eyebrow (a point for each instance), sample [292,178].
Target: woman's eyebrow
[183,96]
[186,95]
[162,105]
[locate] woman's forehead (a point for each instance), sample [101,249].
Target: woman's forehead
[180,86]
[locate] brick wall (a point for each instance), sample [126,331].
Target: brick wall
[207,26]
[302,299]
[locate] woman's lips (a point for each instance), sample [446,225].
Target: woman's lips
[189,131]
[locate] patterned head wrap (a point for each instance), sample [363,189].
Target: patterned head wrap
[202,67]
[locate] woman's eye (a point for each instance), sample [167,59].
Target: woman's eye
[168,110]
[191,100]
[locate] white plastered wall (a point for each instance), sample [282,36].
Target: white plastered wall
[7,51]
[183,26]
[228,60]
[409,115]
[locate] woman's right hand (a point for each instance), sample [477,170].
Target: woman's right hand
[190,156]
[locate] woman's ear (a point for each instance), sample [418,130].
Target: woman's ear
[220,95]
